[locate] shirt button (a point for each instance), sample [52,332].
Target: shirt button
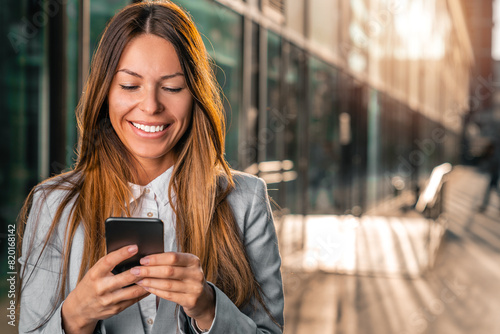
[150,214]
[146,191]
[150,321]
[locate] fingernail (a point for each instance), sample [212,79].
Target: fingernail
[132,249]
[144,260]
[139,283]
[135,271]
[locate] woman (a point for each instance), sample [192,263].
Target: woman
[151,145]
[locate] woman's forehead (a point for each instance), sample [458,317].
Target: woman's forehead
[150,55]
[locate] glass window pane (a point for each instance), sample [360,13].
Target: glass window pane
[270,134]
[100,13]
[324,146]
[22,92]
[71,78]
[294,100]
[221,30]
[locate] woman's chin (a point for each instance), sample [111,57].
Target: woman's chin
[153,157]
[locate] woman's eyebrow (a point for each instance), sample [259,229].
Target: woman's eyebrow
[124,70]
[168,76]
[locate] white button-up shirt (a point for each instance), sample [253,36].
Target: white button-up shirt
[152,202]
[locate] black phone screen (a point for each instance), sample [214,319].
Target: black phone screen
[146,233]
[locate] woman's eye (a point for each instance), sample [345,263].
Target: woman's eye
[129,87]
[171,90]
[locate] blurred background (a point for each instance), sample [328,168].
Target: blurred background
[375,124]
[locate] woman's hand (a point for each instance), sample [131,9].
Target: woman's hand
[100,294]
[179,278]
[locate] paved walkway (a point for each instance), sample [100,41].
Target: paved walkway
[370,245]
[460,295]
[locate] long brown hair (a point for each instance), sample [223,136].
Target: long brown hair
[97,187]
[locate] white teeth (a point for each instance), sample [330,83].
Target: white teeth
[148,128]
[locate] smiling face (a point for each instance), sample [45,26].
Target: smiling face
[150,104]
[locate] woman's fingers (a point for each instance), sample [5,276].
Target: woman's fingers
[120,280]
[170,272]
[100,294]
[111,260]
[129,294]
[178,277]
[171,259]
[191,298]
[184,299]
[102,270]
[171,285]
[122,302]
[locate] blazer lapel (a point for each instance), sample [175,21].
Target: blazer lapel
[166,319]
[127,321]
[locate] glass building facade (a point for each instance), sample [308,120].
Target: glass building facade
[328,101]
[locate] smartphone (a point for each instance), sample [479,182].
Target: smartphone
[146,233]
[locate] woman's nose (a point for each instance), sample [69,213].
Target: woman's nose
[150,103]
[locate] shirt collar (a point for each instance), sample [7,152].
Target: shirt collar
[158,186]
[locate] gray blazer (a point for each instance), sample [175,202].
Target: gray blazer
[252,211]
